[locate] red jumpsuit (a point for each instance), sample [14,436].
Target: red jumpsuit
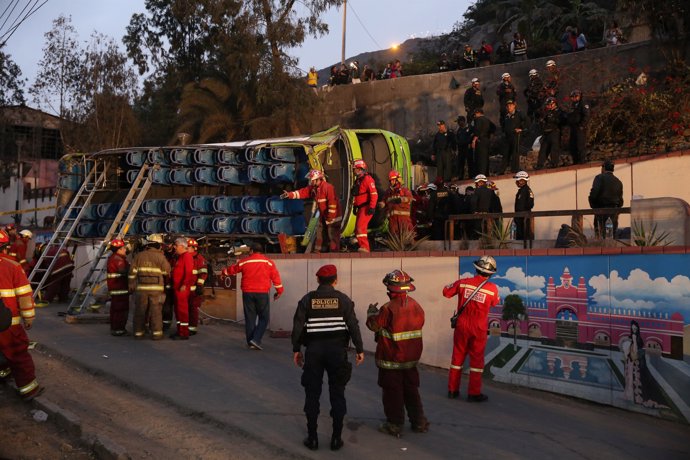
[471,331]
[183,279]
[14,344]
[58,282]
[365,198]
[118,269]
[330,213]
[398,202]
[398,327]
[196,297]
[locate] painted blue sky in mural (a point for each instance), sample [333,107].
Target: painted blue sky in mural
[649,284]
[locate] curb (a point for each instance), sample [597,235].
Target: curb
[101,446]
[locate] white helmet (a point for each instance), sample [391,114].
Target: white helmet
[505,75]
[485,265]
[480,178]
[533,72]
[26,234]
[432,187]
[475,80]
[155,238]
[521,175]
[550,63]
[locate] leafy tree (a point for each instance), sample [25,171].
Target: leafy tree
[11,81]
[514,310]
[58,80]
[184,45]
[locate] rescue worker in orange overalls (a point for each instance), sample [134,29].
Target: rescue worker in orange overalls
[472,326]
[398,327]
[16,295]
[364,205]
[330,212]
[16,243]
[398,202]
[183,280]
[25,236]
[169,302]
[117,269]
[148,275]
[196,296]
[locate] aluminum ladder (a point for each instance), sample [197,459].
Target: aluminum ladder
[95,179]
[92,282]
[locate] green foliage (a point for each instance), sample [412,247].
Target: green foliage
[11,82]
[497,235]
[652,237]
[513,308]
[403,240]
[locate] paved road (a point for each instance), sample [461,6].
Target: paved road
[214,377]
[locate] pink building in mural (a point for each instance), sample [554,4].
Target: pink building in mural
[567,319]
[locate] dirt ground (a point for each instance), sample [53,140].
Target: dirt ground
[145,428]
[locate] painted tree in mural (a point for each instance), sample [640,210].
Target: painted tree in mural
[220,69]
[514,310]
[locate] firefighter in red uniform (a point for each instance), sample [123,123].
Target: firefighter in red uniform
[16,243]
[16,295]
[258,272]
[117,271]
[183,280]
[398,202]
[169,303]
[364,205]
[398,327]
[196,297]
[58,282]
[330,213]
[25,236]
[471,330]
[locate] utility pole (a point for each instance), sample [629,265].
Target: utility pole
[342,56]
[20,182]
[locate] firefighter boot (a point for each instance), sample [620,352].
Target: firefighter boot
[392,429]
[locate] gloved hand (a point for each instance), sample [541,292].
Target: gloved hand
[28,322]
[224,272]
[396,200]
[372,310]
[285,195]
[370,211]
[276,296]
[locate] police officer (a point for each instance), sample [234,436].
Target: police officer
[483,129]
[324,323]
[514,124]
[473,100]
[524,201]
[551,134]
[443,151]
[577,122]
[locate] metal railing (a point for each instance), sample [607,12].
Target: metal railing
[576,219]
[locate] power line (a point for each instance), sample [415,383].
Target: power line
[12,4]
[18,22]
[364,27]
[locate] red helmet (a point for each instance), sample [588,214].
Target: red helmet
[117,243]
[394,175]
[314,174]
[359,164]
[9,227]
[192,243]
[4,238]
[398,281]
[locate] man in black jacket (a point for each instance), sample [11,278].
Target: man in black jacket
[463,139]
[473,100]
[577,121]
[550,122]
[443,152]
[607,192]
[514,124]
[524,201]
[324,323]
[483,129]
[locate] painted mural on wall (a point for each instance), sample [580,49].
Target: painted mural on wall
[611,329]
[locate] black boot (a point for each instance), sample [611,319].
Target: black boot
[336,442]
[311,443]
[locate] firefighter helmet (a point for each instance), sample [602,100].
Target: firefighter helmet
[359,164]
[398,281]
[533,73]
[432,187]
[26,234]
[117,243]
[550,63]
[314,174]
[154,238]
[521,175]
[4,238]
[394,175]
[480,178]
[475,80]
[193,243]
[505,75]
[485,265]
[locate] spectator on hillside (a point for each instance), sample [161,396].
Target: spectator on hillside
[503,53]
[535,94]
[343,75]
[313,79]
[613,35]
[484,54]
[333,78]
[469,57]
[386,73]
[396,69]
[581,42]
[444,63]
[354,72]
[473,100]
[572,39]
[368,73]
[518,47]
[566,43]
